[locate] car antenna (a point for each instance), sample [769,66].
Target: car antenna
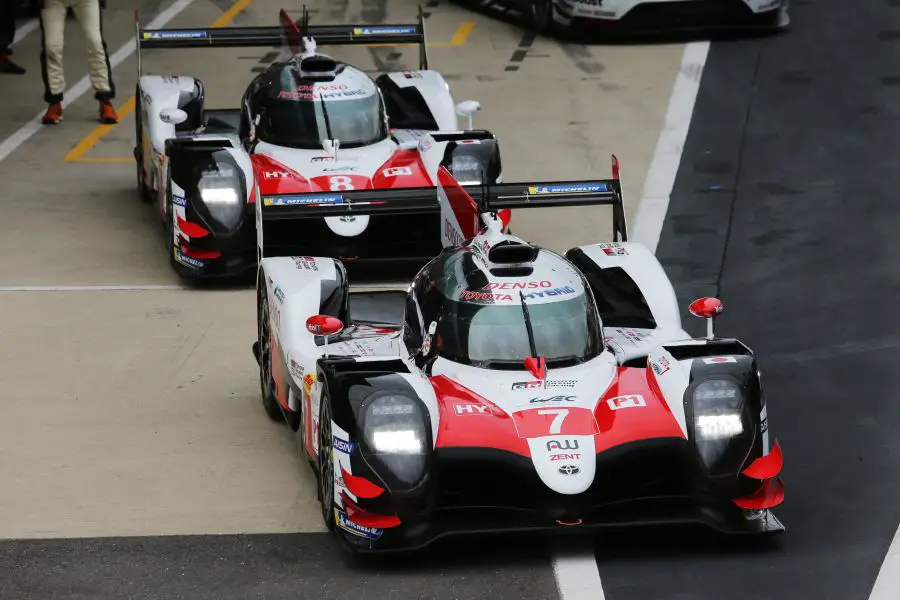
[484,203]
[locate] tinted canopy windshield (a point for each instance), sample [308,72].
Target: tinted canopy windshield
[309,113]
[566,332]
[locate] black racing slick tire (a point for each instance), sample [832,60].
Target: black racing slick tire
[144,194]
[540,16]
[266,381]
[325,473]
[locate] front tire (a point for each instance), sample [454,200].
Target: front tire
[266,381]
[326,463]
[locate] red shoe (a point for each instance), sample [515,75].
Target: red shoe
[108,114]
[53,115]
[8,67]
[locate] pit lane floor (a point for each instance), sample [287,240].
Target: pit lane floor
[136,413]
[785,206]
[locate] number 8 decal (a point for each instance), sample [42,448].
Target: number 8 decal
[340,183]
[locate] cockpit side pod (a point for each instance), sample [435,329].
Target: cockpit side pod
[159,92]
[298,287]
[629,284]
[418,100]
[360,393]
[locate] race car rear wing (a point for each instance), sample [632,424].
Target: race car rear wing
[425,200]
[290,33]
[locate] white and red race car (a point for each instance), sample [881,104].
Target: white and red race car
[308,123]
[508,387]
[644,16]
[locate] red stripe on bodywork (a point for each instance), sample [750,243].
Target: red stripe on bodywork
[644,419]
[360,486]
[192,230]
[463,206]
[293,183]
[768,466]
[403,169]
[477,423]
[367,519]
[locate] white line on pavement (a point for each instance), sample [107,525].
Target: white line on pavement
[654,203]
[887,584]
[10,144]
[24,29]
[88,288]
[576,571]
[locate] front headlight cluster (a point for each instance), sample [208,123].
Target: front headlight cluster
[467,169]
[219,187]
[718,417]
[221,191]
[394,427]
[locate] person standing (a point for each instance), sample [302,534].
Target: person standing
[89,14]
[7,35]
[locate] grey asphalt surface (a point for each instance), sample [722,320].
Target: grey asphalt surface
[785,206]
[308,566]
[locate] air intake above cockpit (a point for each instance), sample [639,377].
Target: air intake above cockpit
[319,67]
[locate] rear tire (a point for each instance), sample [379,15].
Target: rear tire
[266,381]
[540,16]
[326,463]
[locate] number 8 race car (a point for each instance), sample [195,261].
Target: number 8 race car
[509,387]
[308,123]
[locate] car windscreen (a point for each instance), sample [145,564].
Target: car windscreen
[306,123]
[495,335]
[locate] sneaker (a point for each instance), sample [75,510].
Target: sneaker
[53,115]
[108,114]
[8,67]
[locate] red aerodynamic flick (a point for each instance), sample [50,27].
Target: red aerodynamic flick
[768,466]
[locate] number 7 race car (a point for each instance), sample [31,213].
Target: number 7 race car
[308,123]
[509,387]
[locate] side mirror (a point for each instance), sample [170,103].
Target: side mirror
[324,325]
[707,308]
[467,108]
[409,144]
[173,116]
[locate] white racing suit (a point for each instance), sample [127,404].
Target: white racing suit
[53,24]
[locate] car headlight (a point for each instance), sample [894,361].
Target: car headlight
[394,430]
[467,169]
[718,417]
[218,187]
[220,190]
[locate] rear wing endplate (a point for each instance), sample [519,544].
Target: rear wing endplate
[269,37]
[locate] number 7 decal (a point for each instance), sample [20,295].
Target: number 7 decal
[532,423]
[557,423]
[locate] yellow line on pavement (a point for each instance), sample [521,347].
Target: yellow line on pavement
[77,153]
[459,38]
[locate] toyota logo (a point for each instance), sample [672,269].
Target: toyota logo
[569,470]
